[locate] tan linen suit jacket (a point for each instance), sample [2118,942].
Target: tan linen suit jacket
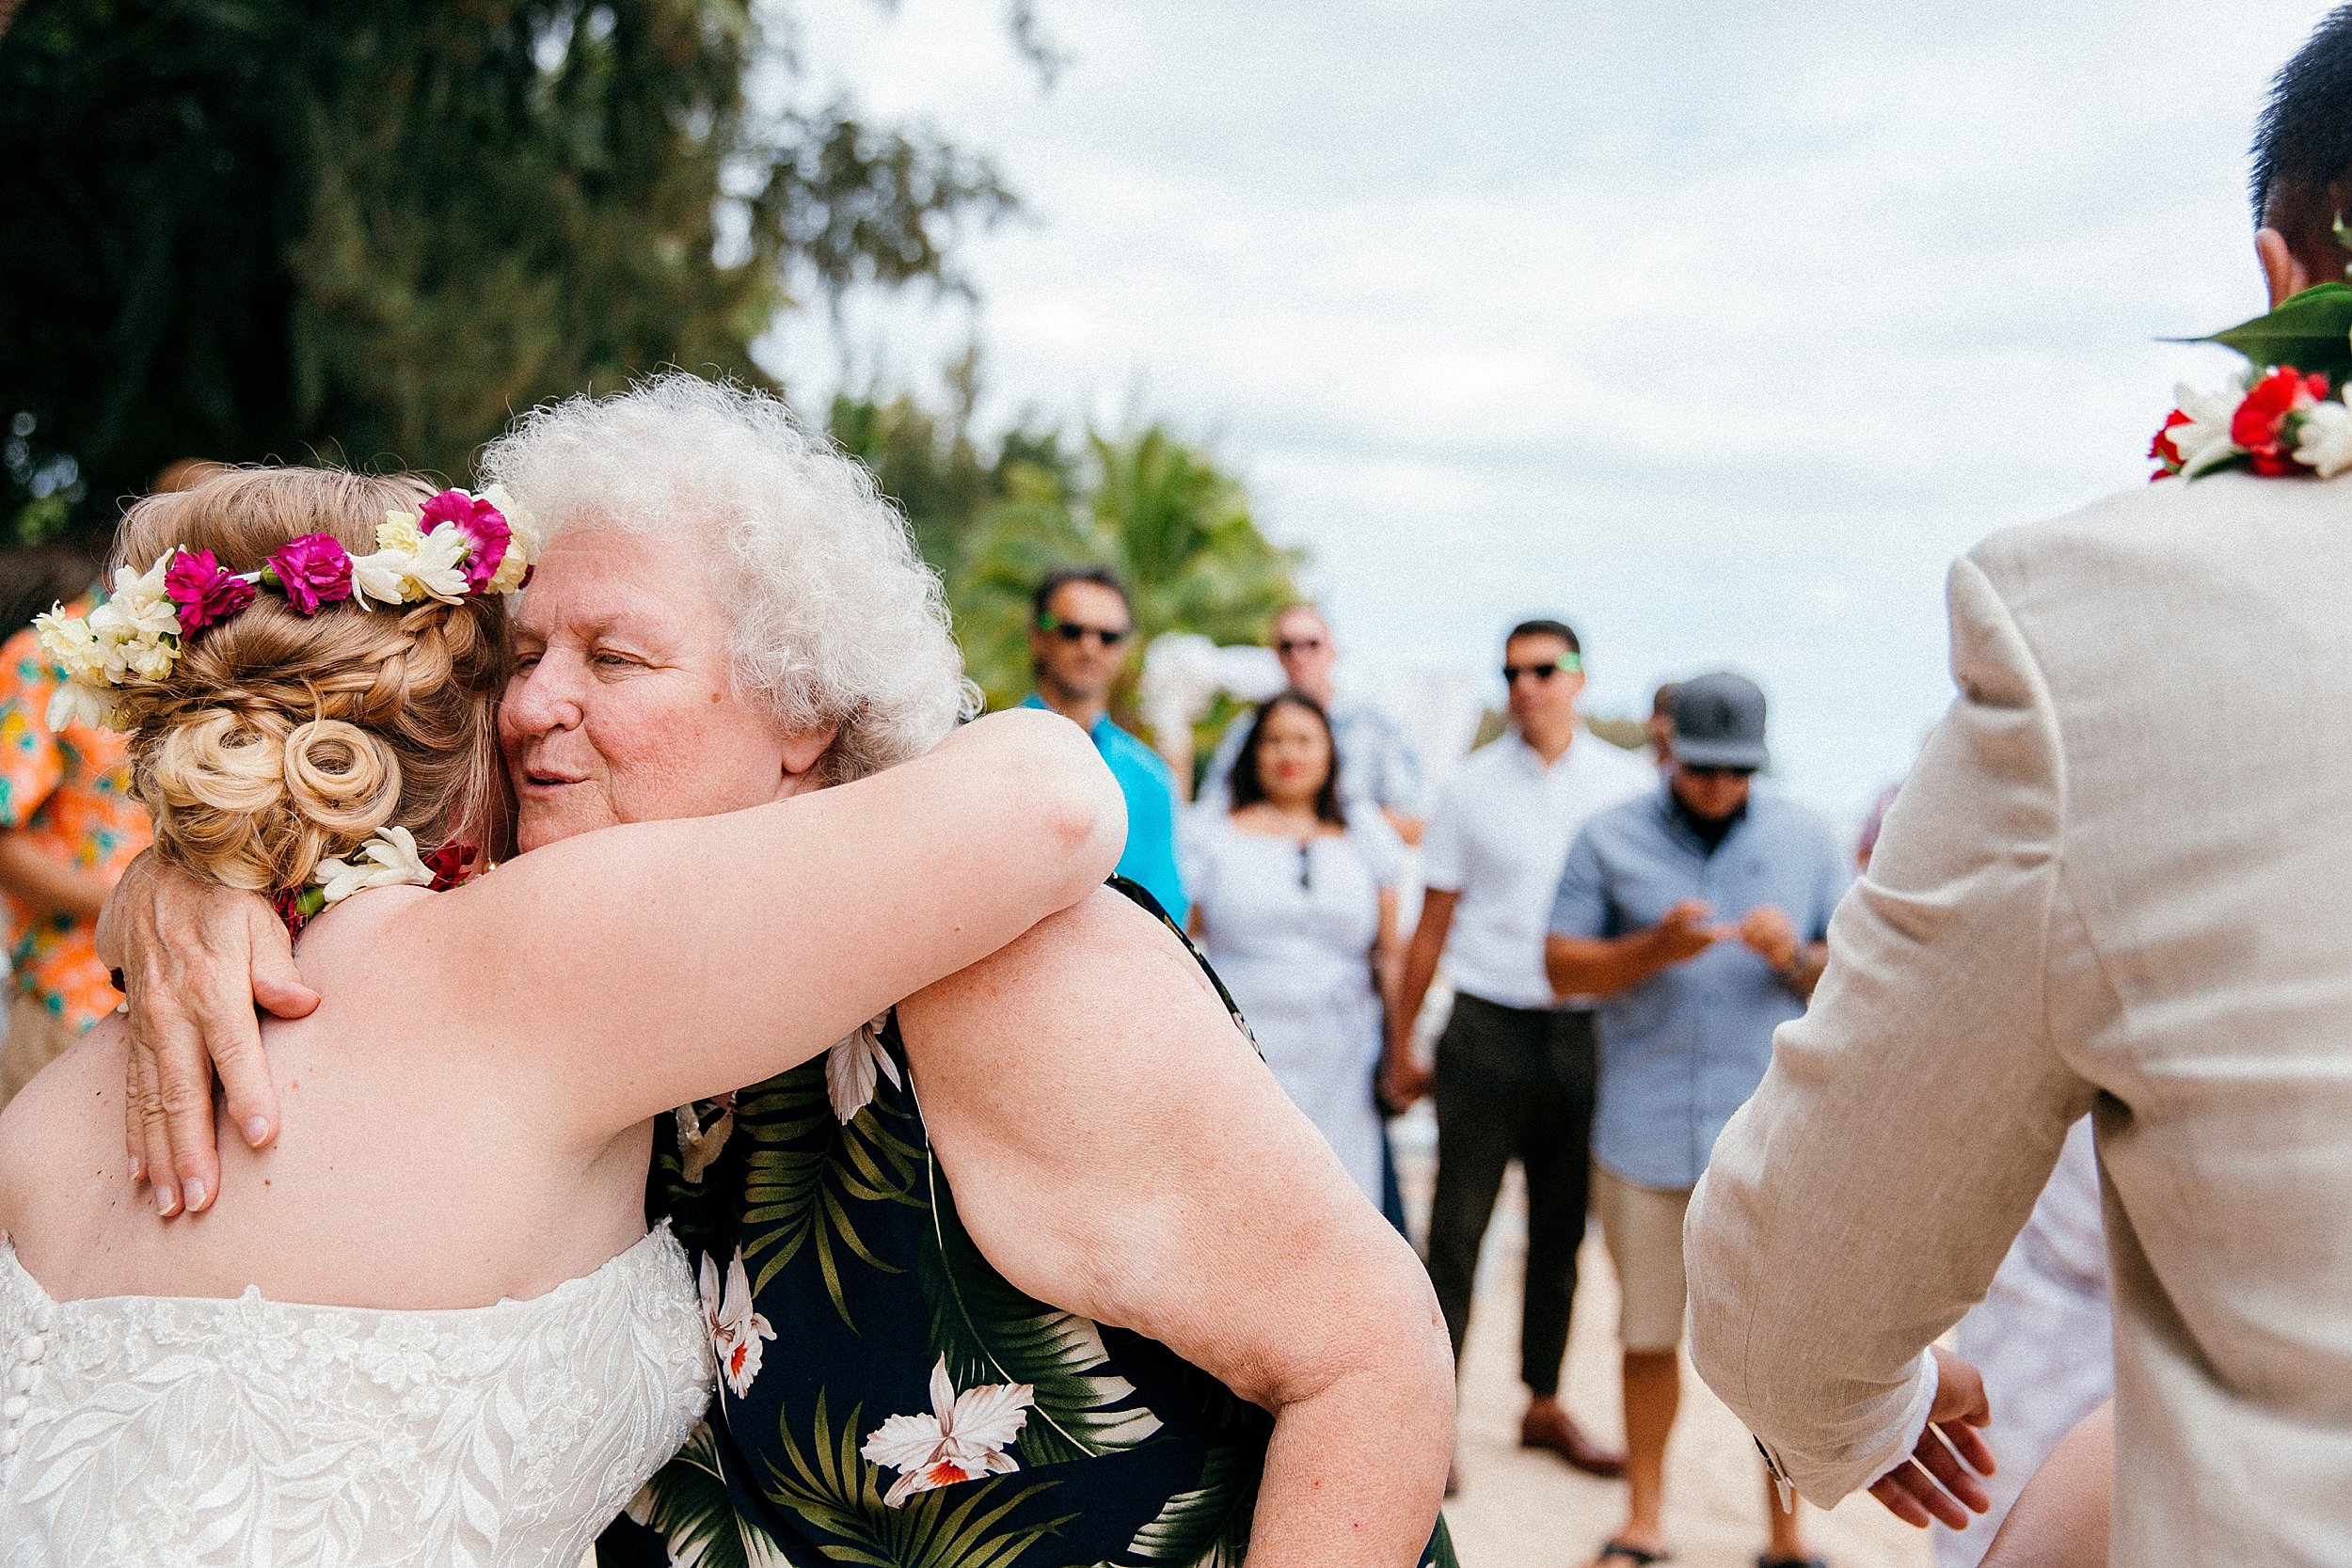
[2119,880]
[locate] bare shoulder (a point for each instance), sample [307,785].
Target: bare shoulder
[68,1117]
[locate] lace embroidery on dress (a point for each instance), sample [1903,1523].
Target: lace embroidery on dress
[170,1432]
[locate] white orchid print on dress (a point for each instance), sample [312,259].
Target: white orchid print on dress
[963,1438]
[735,1330]
[850,1069]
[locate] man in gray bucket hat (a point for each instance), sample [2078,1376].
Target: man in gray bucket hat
[1697,914]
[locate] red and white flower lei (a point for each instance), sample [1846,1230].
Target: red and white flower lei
[2278,421]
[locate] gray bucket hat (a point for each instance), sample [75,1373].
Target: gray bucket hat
[1719,722]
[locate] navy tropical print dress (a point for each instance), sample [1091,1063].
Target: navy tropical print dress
[886,1397]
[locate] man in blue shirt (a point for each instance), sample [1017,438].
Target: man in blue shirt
[1081,618]
[1697,912]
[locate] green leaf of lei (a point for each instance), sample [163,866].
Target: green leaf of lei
[2312,331]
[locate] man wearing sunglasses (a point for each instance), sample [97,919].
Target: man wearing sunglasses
[1697,913]
[1080,621]
[1379,769]
[1515,1068]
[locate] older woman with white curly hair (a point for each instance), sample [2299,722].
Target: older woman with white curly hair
[1099,1285]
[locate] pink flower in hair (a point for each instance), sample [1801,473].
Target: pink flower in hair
[313,570]
[205,594]
[482,524]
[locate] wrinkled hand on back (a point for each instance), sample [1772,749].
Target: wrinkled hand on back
[196,961]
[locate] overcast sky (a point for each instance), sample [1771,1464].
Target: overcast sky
[1721,328]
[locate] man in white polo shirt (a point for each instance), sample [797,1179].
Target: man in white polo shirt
[1515,1069]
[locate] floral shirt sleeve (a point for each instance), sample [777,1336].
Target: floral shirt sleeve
[69,791]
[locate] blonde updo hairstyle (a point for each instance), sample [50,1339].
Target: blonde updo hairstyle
[280,739]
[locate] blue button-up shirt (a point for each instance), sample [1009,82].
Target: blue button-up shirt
[1149,786]
[1685,1049]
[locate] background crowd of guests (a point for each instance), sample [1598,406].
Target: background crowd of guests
[1621,934]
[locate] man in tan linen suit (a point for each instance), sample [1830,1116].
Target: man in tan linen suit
[2120,881]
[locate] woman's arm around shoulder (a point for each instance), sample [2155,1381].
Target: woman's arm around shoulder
[640,967]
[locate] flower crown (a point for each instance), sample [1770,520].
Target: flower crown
[456,547]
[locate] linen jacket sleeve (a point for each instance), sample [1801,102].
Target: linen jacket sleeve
[1859,1204]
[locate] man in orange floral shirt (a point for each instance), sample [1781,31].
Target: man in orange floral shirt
[69,824]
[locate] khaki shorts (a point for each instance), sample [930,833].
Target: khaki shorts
[1642,1227]
[37,1038]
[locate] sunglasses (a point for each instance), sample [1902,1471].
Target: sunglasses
[1299,644]
[1566,664]
[1072,632]
[1697,772]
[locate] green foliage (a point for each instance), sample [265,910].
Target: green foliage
[257,229]
[930,463]
[1160,512]
[688,1505]
[1209,1526]
[2312,331]
[798,1196]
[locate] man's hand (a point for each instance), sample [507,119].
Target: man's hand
[196,958]
[1770,934]
[1934,1484]
[1684,933]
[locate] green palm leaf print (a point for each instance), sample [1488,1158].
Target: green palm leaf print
[687,1504]
[834,1487]
[1209,1526]
[799,1186]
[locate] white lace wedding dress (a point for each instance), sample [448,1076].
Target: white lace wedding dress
[174,1433]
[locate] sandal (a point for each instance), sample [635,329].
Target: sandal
[1631,1554]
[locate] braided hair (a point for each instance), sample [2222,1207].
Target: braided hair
[279,740]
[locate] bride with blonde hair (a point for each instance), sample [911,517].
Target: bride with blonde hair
[434,1327]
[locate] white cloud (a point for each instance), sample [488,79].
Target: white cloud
[1722,328]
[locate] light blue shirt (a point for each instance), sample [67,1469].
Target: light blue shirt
[1149,786]
[1684,1050]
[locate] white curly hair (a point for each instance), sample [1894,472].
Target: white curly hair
[837,619]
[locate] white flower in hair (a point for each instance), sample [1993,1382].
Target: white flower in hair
[438,571]
[387,860]
[410,564]
[138,604]
[383,576]
[71,645]
[78,701]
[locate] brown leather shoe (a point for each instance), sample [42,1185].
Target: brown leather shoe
[1549,1427]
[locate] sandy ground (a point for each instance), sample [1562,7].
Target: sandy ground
[1525,1509]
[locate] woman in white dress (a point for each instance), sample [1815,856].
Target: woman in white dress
[433,1329]
[1294,905]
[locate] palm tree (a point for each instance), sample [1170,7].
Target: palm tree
[1160,512]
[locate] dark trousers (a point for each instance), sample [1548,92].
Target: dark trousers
[1514,1084]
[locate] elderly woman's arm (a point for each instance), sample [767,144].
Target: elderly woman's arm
[1119,1151]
